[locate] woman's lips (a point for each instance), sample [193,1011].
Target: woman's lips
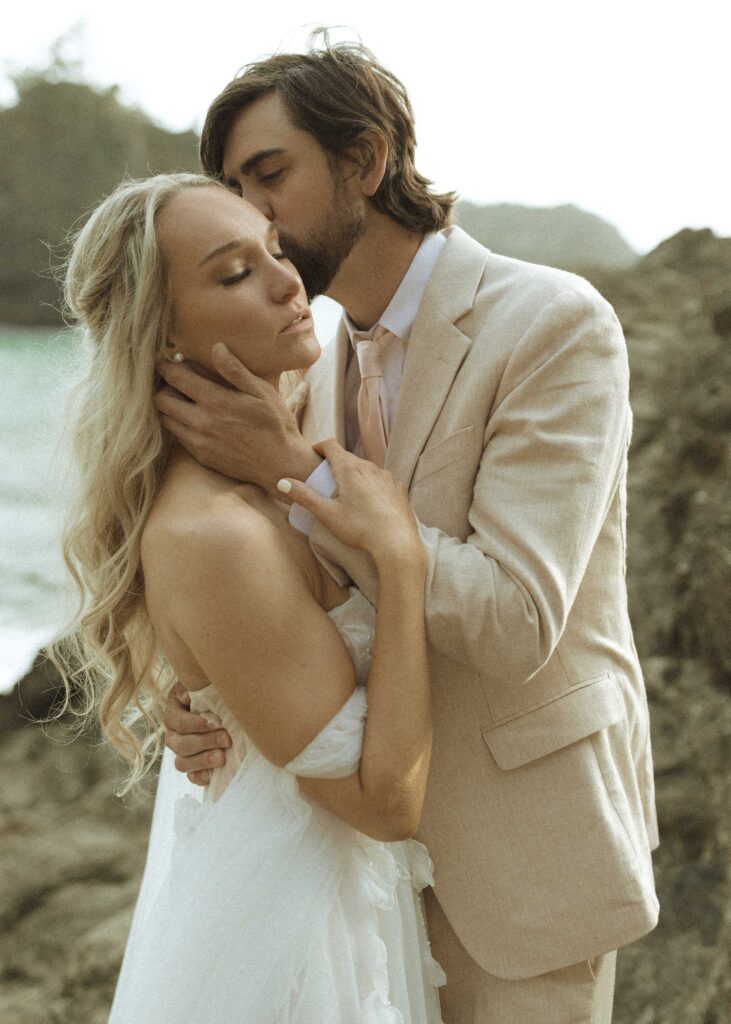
[302,323]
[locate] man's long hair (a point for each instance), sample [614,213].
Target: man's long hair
[336,92]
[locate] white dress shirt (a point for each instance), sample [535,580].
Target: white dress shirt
[398,318]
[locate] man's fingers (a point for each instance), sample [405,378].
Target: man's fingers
[190,745]
[171,404]
[201,778]
[178,719]
[187,436]
[184,379]
[234,371]
[200,762]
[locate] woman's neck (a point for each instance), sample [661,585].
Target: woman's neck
[184,471]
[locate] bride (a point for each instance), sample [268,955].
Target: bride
[295,872]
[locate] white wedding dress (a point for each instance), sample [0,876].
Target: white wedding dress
[260,907]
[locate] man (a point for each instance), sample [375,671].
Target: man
[498,392]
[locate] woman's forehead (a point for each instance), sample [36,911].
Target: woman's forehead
[198,219]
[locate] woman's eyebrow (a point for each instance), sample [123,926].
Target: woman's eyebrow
[237,243]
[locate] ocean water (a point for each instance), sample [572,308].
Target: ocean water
[37,368]
[37,371]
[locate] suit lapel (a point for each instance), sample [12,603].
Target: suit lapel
[435,351]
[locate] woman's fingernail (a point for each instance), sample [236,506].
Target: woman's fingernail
[284,486]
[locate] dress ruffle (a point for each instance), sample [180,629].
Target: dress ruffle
[335,751]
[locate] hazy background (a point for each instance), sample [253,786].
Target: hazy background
[618,106]
[588,136]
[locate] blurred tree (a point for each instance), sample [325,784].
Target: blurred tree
[65,144]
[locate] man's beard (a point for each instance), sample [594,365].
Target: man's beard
[318,259]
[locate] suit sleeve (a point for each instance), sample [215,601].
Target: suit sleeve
[554,447]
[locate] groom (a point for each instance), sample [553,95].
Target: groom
[501,401]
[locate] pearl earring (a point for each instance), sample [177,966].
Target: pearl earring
[177,357]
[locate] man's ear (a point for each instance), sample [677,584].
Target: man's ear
[369,152]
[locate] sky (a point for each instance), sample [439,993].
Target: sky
[617,107]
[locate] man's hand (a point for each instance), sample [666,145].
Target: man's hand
[198,744]
[244,431]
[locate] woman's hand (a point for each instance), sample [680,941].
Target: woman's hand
[369,510]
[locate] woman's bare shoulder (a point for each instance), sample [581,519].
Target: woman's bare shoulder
[208,543]
[200,542]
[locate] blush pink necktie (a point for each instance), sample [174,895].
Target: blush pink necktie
[372,399]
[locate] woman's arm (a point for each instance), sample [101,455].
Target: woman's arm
[398,731]
[244,610]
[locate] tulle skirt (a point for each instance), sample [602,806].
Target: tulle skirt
[263,908]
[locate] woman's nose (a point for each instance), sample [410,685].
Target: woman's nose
[287,282]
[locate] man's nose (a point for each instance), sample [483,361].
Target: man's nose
[260,201]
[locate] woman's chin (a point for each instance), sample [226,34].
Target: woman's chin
[316,351]
[308,352]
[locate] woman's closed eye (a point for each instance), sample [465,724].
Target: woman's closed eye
[242,274]
[235,278]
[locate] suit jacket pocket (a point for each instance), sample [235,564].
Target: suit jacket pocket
[564,719]
[444,453]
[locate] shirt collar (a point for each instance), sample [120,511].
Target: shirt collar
[399,315]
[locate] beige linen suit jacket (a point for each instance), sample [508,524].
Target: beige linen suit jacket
[511,433]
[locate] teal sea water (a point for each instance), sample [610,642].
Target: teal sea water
[37,368]
[37,372]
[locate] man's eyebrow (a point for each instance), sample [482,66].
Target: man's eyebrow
[238,243]
[248,165]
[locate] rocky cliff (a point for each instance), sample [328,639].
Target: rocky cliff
[560,236]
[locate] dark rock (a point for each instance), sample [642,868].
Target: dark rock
[33,697]
[722,321]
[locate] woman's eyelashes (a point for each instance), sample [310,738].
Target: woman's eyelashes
[242,274]
[235,278]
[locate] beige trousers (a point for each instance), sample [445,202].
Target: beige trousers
[580,994]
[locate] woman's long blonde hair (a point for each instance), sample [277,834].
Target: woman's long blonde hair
[116,290]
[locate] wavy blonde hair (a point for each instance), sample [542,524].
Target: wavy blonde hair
[116,290]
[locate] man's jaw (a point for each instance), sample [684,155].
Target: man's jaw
[319,259]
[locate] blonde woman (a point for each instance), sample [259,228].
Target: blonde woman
[296,872]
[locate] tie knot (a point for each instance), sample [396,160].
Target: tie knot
[370,358]
[370,347]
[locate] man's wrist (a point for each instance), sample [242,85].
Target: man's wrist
[298,463]
[307,462]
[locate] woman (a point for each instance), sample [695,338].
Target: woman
[296,873]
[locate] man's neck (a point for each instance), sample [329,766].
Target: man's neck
[369,278]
